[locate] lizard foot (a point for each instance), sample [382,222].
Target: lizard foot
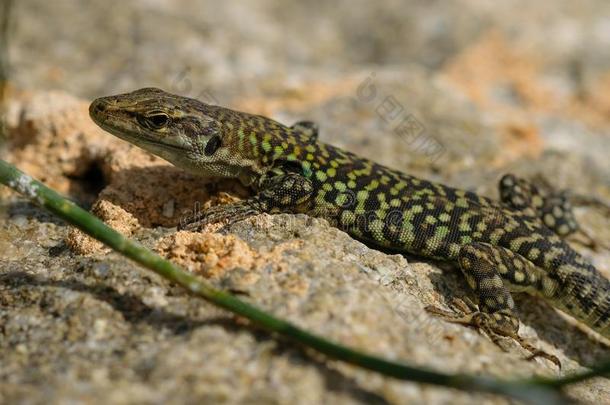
[496,326]
[232,213]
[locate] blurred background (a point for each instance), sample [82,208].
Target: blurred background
[92,48]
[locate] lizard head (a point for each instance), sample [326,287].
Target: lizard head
[186,132]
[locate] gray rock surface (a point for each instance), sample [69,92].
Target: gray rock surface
[489,88]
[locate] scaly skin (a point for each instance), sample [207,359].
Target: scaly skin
[513,245]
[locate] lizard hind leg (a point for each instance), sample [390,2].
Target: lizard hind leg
[553,208]
[487,268]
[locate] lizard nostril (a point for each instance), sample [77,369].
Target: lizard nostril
[97,107]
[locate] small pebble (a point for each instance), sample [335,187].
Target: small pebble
[169,208]
[20,221]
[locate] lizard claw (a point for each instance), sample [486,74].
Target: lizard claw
[535,352]
[460,313]
[465,313]
[463,305]
[462,308]
[232,213]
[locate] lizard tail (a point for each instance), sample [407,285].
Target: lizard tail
[585,294]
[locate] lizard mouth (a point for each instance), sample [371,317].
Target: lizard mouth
[101,112]
[155,143]
[138,138]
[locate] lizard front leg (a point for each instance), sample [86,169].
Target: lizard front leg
[286,192]
[306,128]
[490,271]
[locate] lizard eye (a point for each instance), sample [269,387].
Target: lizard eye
[212,146]
[159,120]
[156,120]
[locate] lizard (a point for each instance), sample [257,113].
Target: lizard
[512,245]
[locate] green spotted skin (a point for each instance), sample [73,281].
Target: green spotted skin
[514,245]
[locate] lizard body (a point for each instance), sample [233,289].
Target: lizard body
[513,245]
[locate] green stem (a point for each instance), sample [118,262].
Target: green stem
[5,18]
[600,369]
[535,390]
